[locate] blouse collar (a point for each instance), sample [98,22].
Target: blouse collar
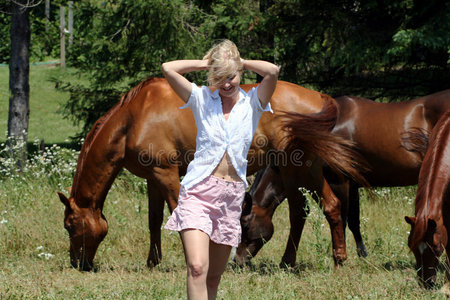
[242,94]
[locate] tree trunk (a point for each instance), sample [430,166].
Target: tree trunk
[19,69]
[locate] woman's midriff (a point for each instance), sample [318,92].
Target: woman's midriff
[225,169]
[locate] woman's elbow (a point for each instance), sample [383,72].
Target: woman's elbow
[164,69]
[275,71]
[272,72]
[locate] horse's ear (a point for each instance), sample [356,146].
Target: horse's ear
[410,220]
[64,199]
[431,225]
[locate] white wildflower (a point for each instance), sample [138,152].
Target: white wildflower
[47,256]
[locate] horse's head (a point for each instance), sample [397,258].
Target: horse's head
[260,203]
[257,228]
[427,240]
[87,227]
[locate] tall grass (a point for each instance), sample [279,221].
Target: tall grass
[34,260]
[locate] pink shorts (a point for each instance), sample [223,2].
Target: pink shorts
[213,206]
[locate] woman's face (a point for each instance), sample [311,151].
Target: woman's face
[230,87]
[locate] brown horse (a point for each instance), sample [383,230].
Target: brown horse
[429,235]
[147,134]
[390,136]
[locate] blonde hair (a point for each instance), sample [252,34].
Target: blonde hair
[224,60]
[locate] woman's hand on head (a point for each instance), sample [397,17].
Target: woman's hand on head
[204,64]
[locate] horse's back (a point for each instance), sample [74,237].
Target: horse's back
[378,128]
[157,126]
[436,105]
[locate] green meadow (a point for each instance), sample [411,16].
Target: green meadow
[34,258]
[46,122]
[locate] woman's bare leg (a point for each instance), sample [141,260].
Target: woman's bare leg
[196,252]
[218,258]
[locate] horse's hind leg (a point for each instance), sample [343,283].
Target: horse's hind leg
[354,220]
[163,188]
[332,210]
[297,216]
[348,195]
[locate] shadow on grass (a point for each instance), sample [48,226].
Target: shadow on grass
[268,267]
[33,148]
[398,265]
[137,268]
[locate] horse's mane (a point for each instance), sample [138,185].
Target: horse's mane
[259,175]
[424,211]
[98,125]
[131,94]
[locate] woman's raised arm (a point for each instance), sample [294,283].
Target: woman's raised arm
[173,71]
[269,72]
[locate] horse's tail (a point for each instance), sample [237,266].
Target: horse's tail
[312,133]
[415,140]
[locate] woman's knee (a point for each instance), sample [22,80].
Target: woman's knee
[197,269]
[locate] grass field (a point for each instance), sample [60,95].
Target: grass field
[34,259]
[46,122]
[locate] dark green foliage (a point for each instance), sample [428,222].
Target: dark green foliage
[396,49]
[5,21]
[43,44]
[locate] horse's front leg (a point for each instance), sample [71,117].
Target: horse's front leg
[332,210]
[155,219]
[164,187]
[297,217]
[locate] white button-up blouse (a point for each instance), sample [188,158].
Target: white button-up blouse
[215,135]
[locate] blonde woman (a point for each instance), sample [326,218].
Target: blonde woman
[212,191]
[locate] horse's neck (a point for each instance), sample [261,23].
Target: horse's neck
[93,179]
[434,174]
[89,193]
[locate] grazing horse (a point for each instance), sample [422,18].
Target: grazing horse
[392,138]
[147,134]
[429,233]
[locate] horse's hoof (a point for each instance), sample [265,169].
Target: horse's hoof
[286,266]
[287,263]
[339,258]
[362,251]
[151,263]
